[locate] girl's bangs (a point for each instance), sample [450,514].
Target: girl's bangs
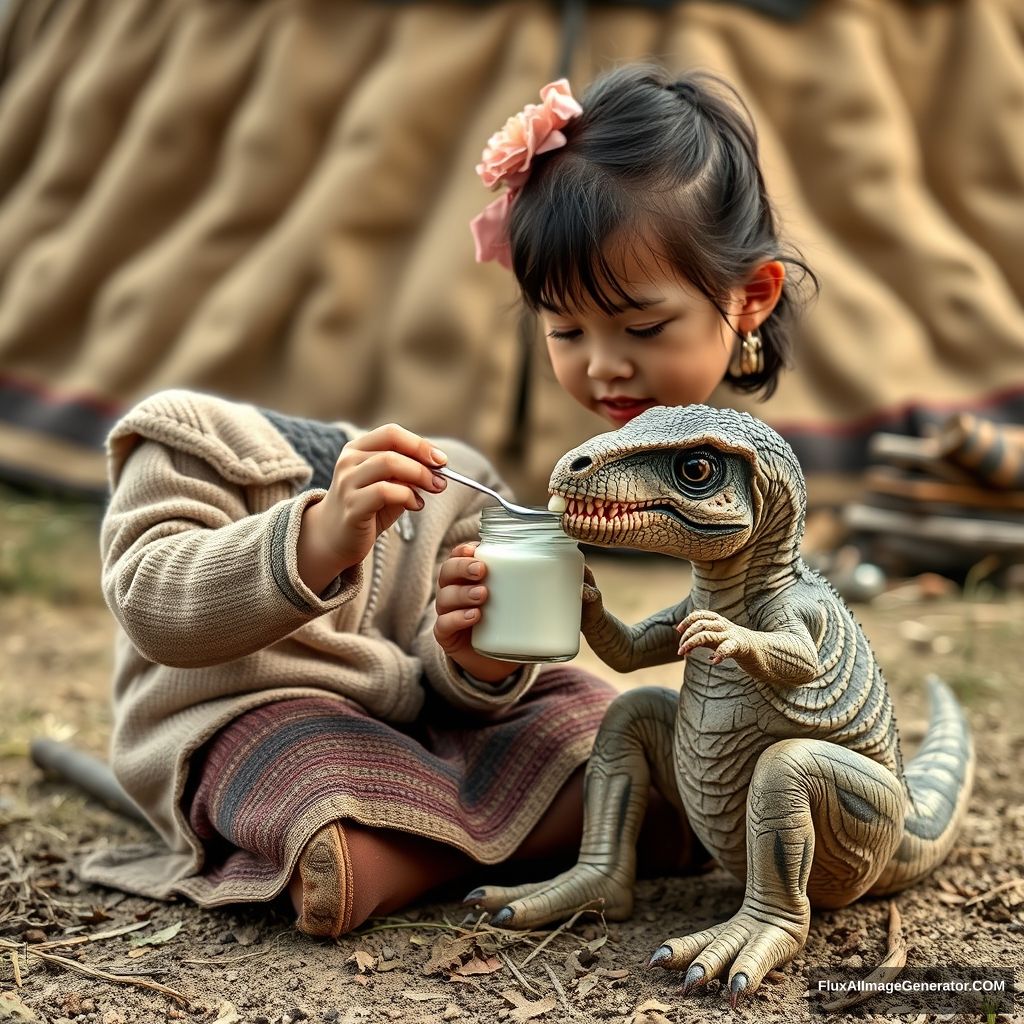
[559,248]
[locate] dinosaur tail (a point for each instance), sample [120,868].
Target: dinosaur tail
[939,779]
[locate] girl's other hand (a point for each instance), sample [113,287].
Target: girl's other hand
[376,478]
[460,596]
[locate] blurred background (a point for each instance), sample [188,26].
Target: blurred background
[269,199]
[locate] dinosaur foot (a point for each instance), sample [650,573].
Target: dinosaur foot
[528,906]
[742,950]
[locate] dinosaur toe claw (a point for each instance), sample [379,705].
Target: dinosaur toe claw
[694,977]
[736,989]
[502,916]
[661,954]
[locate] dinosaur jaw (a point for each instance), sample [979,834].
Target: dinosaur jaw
[643,525]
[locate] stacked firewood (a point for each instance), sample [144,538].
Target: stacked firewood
[944,502]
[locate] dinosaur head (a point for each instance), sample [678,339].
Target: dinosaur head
[688,481]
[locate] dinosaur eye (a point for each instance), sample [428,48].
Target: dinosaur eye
[699,469]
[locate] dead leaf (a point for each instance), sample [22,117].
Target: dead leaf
[12,1008]
[478,966]
[364,961]
[578,962]
[226,1013]
[655,1006]
[96,915]
[585,984]
[525,1009]
[447,953]
[420,997]
[606,972]
[597,943]
[388,965]
[157,938]
[451,1011]
[134,954]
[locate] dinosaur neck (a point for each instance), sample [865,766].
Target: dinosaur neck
[767,564]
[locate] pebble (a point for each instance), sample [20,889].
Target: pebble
[855,961]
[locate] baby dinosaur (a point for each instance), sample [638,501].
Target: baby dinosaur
[781,748]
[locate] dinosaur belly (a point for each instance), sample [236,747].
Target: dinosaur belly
[722,727]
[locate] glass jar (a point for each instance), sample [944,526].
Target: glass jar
[535,589]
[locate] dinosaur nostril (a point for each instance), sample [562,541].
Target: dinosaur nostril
[580,464]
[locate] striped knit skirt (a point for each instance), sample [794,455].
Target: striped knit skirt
[274,776]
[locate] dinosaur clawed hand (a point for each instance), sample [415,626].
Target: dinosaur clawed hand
[705,628]
[529,906]
[743,950]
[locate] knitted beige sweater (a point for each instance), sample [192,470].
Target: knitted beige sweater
[199,567]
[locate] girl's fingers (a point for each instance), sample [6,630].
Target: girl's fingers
[394,438]
[455,598]
[464,569]
[449,629]
[368,501]
[396,468]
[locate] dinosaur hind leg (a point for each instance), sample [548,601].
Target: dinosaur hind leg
[822,823]
[633,748]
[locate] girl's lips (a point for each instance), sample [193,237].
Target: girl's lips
[623,410]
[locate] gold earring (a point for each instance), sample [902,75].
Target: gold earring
[748,359]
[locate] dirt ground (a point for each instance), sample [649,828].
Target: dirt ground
[433,963]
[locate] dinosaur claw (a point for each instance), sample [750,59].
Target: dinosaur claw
[503,915]
[474,896]
[736,988]
[694,977]
[660,954]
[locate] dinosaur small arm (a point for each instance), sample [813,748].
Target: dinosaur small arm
[780,750]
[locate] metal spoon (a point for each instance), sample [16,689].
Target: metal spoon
[517,510]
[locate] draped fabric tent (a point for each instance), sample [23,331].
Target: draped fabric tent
[269,200]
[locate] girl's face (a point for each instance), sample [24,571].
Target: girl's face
[673,351]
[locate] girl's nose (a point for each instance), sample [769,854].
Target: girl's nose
[606,364]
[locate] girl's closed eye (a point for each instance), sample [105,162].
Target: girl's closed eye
[648,332]
[565,333]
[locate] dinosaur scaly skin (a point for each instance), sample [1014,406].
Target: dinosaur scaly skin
[781,749]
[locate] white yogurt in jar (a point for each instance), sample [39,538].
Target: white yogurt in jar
[535,584]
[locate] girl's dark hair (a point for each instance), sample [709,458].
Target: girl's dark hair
[663,161]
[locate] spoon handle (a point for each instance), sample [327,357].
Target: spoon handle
[511,507]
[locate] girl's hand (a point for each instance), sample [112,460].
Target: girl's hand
[376,478]
[460,594]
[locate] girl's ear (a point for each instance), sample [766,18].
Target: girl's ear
[757,298]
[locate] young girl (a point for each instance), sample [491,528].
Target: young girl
[638,227]
[297,705]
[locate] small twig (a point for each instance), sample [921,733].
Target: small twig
[518,974]
[1012,884]
[587,909]
[96,972]
[79,940]
[558,988]
[17,967]
[407,924]
[894,962]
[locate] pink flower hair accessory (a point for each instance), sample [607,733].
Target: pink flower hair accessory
[507,158]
